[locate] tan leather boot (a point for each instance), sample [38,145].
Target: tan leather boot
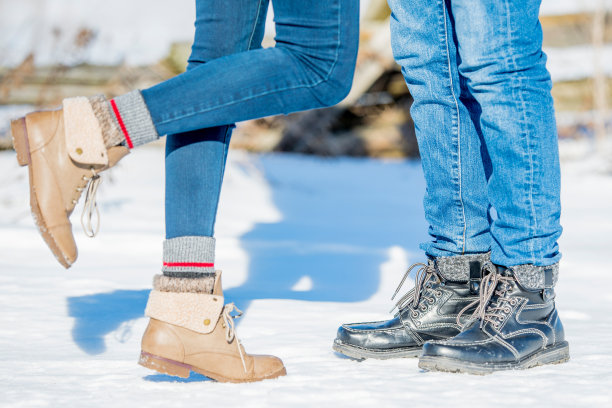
[62,161]
[195,332]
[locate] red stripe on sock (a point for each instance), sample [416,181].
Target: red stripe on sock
[190,264]
[121,124]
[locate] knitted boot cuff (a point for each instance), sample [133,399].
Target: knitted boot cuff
[189,257]
[111,132]
[457,268]
[205,284]
[536,277]
[134,119]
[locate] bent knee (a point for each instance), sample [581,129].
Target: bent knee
[337,79]
[336,87]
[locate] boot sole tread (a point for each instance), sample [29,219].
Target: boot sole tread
[556,354]
[171,367]
[362,353]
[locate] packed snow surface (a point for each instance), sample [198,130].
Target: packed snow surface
[305,244]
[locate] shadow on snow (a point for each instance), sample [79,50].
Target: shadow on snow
[339,218]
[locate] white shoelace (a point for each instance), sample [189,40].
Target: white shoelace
[91,206]
[230,328]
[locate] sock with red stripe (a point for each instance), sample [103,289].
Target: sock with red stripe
[189,262]
[124,120]
[133,119]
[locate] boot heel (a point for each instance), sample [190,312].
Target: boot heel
[20,141]
[164,365]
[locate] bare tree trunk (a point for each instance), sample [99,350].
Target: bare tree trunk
[600,86]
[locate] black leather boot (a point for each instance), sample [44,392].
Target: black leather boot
[443,288]
[515,327]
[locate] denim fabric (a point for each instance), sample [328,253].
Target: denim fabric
[230,78]
[311,66]
[485,125]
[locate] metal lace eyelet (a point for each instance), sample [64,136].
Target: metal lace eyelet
[414,314]
[430,301]
[439,292]
[422,308]
[507,309]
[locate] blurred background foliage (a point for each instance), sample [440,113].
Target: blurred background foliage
[64,55]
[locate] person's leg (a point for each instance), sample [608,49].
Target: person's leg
[455,202]
[186,306]
[500,45]
[310,67]
[195,161]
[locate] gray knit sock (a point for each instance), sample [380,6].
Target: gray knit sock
[189,257]
[111,132]
[457,268]
[536,277]
[133,118]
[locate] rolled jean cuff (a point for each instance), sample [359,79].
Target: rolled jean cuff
[536,277]
[457,268]
[189,257]
[134,119]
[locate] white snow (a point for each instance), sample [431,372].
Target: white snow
[306,244]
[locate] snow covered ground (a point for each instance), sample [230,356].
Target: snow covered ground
[306,244]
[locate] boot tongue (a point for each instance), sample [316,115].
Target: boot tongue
[504,287]
[218,287]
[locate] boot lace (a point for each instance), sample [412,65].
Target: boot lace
[426,277]
[230,328]
[90,206]
[489,309]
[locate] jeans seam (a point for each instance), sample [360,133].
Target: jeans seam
[307,85]
[458,121]
[254,28]
[228,131]
[517,90]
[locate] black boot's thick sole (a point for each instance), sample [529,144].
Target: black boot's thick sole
[360,353]
[557,354]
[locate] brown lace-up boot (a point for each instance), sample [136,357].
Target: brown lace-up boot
[194,331]
[65,150]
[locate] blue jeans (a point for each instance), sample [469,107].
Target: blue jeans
[485,125]
[230,78]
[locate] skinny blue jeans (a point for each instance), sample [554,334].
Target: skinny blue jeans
[485,126]
[230,78]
